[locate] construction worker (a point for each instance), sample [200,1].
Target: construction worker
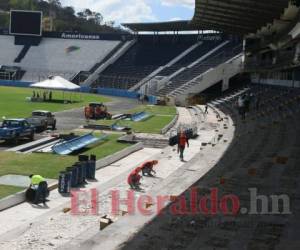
[182,142]
[39,184]
[206,110]
[98,112]
[147,168]
[87,113]
[134,179]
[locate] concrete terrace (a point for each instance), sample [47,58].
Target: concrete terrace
[49,228]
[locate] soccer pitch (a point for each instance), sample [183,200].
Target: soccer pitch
[13,103]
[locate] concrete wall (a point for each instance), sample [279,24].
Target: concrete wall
[15,83]
[118,92]
[171,124]
[12,200]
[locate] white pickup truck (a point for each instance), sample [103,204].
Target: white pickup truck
[42,120]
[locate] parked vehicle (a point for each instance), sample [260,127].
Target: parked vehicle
[99,111]
[42,120]
[15,129]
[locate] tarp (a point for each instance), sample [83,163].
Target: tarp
[67,147]
[55,83]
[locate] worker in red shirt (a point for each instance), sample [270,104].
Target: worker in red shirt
[182,142]
[87,113]
[134,179]
[147,168]
[98,112]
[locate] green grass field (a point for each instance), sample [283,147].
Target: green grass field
[162,116]
[8,190]
[13,102]
[49,165]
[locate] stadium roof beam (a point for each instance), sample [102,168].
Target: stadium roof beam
[245,16]
[237,29]
[232,20]
[164,26]
[246,4]
[250,16]
[232,10]
[232,24]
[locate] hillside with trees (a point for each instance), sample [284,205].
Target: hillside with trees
[62,18]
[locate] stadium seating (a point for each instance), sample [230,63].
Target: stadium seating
[52,56]
[148,54]
[191,57]
[9,51]
[263,155]
[220,56]
[62,57]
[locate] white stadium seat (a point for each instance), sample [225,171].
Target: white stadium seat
[51,56]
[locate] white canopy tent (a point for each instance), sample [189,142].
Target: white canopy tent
[56,83]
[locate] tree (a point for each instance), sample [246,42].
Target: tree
[69,12]
[80,14]
[21,4]
[44,7]
[4,20]
[98,18]
[55,3]
[87,12]
[110,23]
[4,5]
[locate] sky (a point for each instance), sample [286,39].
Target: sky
[122,11]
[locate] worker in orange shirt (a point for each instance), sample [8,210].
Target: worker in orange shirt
[147,168]
[182,142]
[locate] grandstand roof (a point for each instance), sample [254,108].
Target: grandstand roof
[237,16]
[233,16]
[164,26]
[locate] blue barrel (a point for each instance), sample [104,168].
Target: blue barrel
[79,168]
[74,176]
[91,170]
[76,165]
[64,182]
[84,160]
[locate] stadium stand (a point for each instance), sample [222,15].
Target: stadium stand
[53,55]
[148,54]
[231,49]
[62,57]
[22,54]
[264,155]
[195,54]
[83,75]
[9,51]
